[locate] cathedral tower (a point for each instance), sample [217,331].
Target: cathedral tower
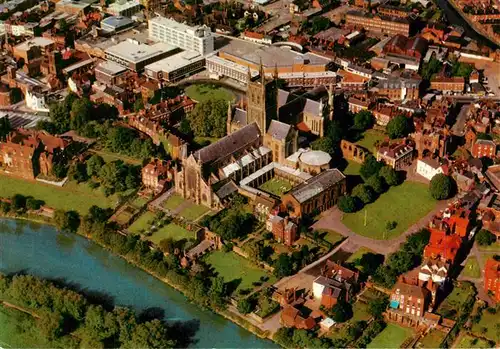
[262,100]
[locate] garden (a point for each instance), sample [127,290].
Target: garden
[276,186]
[393,336]
[404,204]
[462,293]
[488,326]
[237,270]
[468,341]
[432,339]
[205,92]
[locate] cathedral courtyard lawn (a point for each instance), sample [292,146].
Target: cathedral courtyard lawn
[276,186]
[205,92]
[489,322]
[472,268]
[370,137]
[234,268]
[391,337]
[404,204]
[72,196]
[193,212]
[142,223]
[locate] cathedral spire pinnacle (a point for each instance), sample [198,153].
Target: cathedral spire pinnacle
[261,71]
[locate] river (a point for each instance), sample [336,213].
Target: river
[455,18]
[41,250]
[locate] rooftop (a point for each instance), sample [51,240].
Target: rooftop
[118,6]
[175,61]
[117,22]
[35,41]
[110,68]
[180,27]
[315,158]
[317,184]
[134,51]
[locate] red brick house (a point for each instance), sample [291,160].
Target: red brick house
[442,244]
[484,148]
[492,278]
[155,175]
[408,303]
[284,230]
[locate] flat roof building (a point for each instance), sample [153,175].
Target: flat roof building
[135,56]
[176,67]
[378,23]
[199,38]
[124,8]
[116,23]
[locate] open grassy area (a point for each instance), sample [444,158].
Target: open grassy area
[109,157]
[204,92]
[489,322]
[452,303]
[141,223]
[360,312]
[468,341]
[432,339]
[193,212]
[352,168]
[472,268]
[138,202]
[171,230]
[234,268]
[276,186]
[358,254]
[173,202]
[124,217]
[72,196]
[370,137]
[494,247]
[391,337]
[405,204]
[332,236]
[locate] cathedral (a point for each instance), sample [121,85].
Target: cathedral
[257,145]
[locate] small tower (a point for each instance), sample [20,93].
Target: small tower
[330,102]
[229,117]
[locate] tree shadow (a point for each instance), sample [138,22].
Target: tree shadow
[232,285]
[184,332]
[152,313]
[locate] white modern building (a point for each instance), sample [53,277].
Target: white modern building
[36,101]
[198,39]
[124,8]
[428,168]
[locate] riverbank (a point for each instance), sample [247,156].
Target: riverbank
[472,24]
[226,314]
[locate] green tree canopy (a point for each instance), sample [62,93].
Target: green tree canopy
[370,167]
[377,183]
[347,204]
[389,175]
[363,120]
[364,193]
[399,127]
[283,266]
[324,144]
[485,238]
[208,119]
[441,187]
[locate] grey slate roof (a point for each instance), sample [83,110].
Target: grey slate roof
[317,184]
[282,97]
[229,144]
[240,117]
[226,190]
[278,130]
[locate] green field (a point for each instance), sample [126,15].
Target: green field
[391,337]
[173,231]
[468,341]
[193,212]
[329,235]
[370,137]
[173,202]
[276,186]
[18,330]
[452,303]
[360,312]
[71,196]
[432,339]
[405,204]
[109,157]
[358,254]
[141,223]
[352,168]
[472,268]
[233,267]
[489,322]
[205,92]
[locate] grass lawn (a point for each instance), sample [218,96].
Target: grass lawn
[276,186]
[494,247]
[109,156]
[360,312]
[138,202]
[472,268]
[432,339]
[71,196]
[352,168]
[369,139]
[405,204]
[358,254]
[330,235]
[468,341]
[452,303]
[233,267]
[171,231]
[173,202]
[391,337]
[193,212]
[141,223]
[488,321]
[205,92]
[123,217]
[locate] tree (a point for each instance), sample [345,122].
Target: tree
[370,167]
[399,127]
[152,334]
[94,164]
[369,262]
[378,305]
[283,266]
[389,175]
[67,221]
[208,119]
[347,204]
[319,23]
[245,306]
[33,204]
[18,202]
[217,292]
[78,172]
[51,324]
[482,135]
[377,183]
[167,245]
[5,128]
[81,113]
[363,120]
[364,193]
[342,311]
[324,144]
[485,238]
[138,105]
[184,127]
[59,170]
[441,187]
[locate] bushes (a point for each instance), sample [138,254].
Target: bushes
[485,238]
[373,329]
[364,193]
[441,187]
[347,204]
